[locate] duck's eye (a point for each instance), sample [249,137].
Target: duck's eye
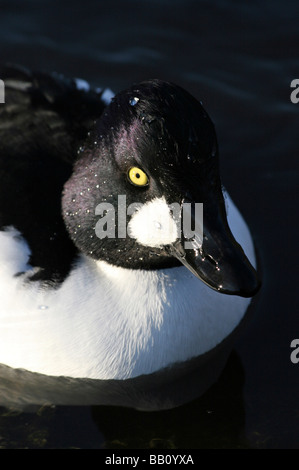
[137,176]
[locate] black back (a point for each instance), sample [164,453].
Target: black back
[44,120]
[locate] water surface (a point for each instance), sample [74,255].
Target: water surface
[239,59]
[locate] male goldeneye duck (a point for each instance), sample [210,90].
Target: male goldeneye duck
[96,278]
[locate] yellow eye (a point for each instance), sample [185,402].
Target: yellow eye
[137,176]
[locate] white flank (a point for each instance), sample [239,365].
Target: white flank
[106,322]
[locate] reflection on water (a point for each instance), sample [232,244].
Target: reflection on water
[239,58]
[165,389]
[197,405]
[214,420]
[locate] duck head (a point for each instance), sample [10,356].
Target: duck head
[149,166]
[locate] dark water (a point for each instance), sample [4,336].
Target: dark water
[239,58]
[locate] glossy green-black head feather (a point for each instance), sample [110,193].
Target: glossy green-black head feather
[159,132]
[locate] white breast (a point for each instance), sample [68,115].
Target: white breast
[109,322]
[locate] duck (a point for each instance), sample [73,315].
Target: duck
[98,278]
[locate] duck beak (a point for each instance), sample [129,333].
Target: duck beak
[214,256]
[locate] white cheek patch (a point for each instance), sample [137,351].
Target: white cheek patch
[153,225]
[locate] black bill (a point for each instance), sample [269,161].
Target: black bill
[216,258]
